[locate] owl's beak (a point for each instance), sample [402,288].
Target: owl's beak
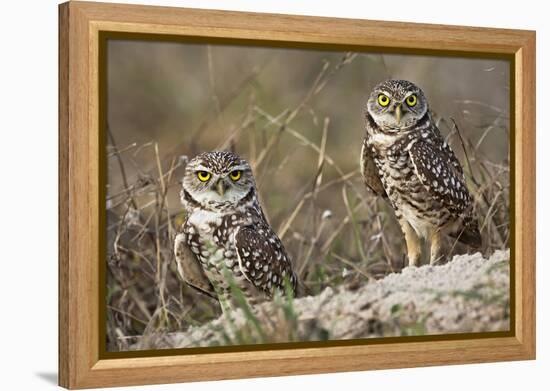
[398,114]
[220,187]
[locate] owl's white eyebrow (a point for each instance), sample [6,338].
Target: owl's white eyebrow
[201,168]
[241,167]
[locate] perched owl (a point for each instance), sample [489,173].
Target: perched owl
[226,238]
[405,159]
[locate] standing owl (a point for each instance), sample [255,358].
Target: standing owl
[405,159]
[226,238]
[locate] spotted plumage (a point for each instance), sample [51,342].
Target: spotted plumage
[226,238]
[405,159]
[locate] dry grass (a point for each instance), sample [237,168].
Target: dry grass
[335,230]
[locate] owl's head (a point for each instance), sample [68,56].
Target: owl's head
[396,105]
[218,178]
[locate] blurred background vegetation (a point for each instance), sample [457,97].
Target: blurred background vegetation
[297,116]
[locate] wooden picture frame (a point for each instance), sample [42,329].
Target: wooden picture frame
[81,364]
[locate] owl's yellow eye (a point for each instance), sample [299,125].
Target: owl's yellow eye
[235,175]
[411,100]
[383,100]
[203,176]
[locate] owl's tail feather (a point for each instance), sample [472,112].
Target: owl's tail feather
[470,234]
[301,289]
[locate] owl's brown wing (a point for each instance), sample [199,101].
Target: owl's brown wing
[441,174]
[370,172]
[189,268]
[263,259]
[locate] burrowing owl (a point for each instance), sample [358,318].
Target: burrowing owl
[406,160]
[226,237]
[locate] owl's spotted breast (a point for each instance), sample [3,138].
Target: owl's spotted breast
[410,199]
[242,244]
[212,240]
[213,243]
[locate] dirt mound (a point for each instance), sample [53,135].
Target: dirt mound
[468,294]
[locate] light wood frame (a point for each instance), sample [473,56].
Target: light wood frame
[80,365]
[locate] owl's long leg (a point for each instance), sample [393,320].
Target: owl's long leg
[436,248]
[414,243]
